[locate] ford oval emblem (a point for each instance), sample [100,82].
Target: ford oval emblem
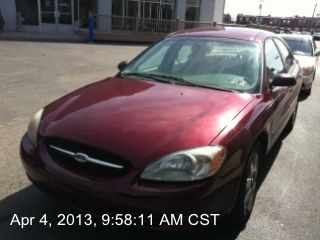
[81,157]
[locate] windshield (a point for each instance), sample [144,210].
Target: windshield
[300,46]
[219,63]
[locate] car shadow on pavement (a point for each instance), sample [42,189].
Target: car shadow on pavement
[31,202]
[270,158]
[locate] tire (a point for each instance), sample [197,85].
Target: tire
[307,92]
[292,120]
[314,74]
[248,188]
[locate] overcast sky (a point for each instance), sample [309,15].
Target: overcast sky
[280,8]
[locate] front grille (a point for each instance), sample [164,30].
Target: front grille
[88,160]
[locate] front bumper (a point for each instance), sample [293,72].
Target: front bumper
[125,194]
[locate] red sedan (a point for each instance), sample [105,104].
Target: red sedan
[184,127]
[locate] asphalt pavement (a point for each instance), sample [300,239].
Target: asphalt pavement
[32,74]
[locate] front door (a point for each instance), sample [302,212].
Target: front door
[280,95]
[56,15]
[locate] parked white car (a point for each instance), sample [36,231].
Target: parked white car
[304,49]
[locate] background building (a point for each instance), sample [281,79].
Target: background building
[120,15]
[296,23]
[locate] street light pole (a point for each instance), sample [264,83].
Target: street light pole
[260,10]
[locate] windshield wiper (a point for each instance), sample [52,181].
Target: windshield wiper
[155,77]
[182,80]
[162,77]
[175,79]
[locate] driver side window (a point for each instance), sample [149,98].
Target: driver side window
[274,62]
[286,56]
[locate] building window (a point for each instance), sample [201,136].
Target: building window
[86,6]
[193,10]
[118,7]
[28,10]
[133,8]
[76,10]
[167,9]
[155,9]
[149,9]
[65,11]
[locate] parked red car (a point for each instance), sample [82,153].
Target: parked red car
[184,127]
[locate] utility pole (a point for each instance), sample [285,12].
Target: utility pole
[314,10]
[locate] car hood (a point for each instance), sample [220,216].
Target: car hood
[306,61]
[141,120]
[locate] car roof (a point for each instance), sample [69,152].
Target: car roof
[249,34]
[296,36]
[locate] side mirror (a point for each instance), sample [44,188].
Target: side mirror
[122,65]
[283,80]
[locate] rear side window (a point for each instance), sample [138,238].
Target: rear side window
[274,63]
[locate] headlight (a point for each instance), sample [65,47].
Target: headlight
[33,127]
[188,165]
[307,71]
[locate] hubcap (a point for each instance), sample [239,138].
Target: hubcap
[251,183]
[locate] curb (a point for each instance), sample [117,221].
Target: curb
[41,37]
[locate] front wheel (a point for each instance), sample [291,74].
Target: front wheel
[248,188]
